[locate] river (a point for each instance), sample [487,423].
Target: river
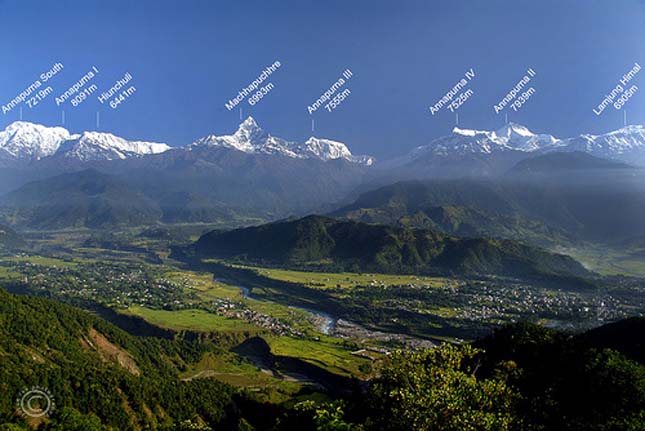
[325,322]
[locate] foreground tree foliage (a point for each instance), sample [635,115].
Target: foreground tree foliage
[522,377]
[570,382]
[429,390]
[307,415]
[438,390]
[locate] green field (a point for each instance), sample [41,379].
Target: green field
[606,261]
[328,353]
[204,284]
[193,320]
[7,274]
[229,368]
[40,260]
[208,289]
[326,280]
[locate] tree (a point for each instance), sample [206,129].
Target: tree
[12,427]
[307,415]
[437,389]
[68,419]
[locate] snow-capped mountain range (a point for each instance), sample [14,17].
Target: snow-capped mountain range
[23,142]
[27,142]
[250,138]
[105,146]
[626,144]
[511,137]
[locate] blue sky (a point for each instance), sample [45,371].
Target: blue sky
[190,57]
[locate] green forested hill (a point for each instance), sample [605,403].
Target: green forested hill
[347,245]
[564,207]
[626,335]
[455,207]
[101,377]
[81,199]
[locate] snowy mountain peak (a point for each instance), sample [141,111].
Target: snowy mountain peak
[631,129]
[24,141]
[249,124]
[626,144]
[519,137]
[326,149]
[507,131]
[251,138]
[92,146]
[514,129]
[250,133]
[466,142]
[468,132]
[21,126]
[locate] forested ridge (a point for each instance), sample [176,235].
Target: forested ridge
[317,242]
[520,377]
[56,346]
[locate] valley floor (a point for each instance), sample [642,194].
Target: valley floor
[292,333]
